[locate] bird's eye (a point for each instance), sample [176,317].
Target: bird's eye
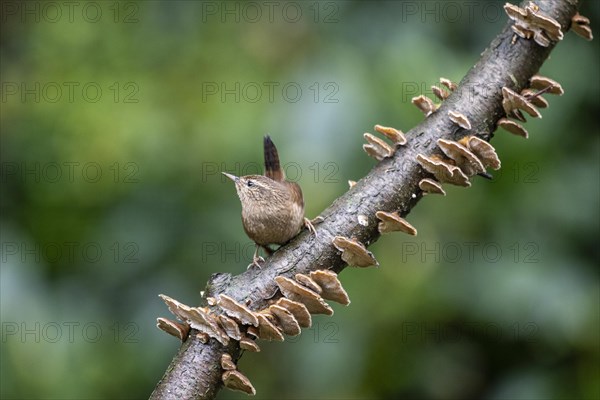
[250,183]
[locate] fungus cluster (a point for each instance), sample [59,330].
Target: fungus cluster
[442,92]
[295,291]
[527,101]
[513,103]
[530,22]
[465,158]
[227,319]
[443,171]
[234,379]
[380,149]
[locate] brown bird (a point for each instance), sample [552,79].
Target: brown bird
[272,207]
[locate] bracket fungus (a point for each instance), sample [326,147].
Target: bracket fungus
[288,323]
[252,331]
[483,150]
[197,318]
[203,337]
[331,285]
[442,171]
[235,380]
[267,330]
[227,362]
[201,320]
[176,308]
[425,104]
[462,156]
[231,328]
[540,82]
[531,22]
[512,102]
[395,135]
[392,222]
[377,148]
[459,119]
[448,83]
[174,328]
[354,253]
[236,310]
[429,185]
[308,282]
[248,344]
[581,26]
[373,151]
[513,127]
[294,291]
[534,98]
[440,93]
[298,310]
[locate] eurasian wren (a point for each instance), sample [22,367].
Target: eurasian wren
[272,207]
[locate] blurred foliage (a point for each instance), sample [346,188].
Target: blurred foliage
[111,194]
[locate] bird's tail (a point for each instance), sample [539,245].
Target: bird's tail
[272,168]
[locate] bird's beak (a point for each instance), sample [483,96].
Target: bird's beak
[232,177]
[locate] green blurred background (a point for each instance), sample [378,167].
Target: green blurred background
[117,118]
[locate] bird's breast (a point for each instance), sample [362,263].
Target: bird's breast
[273,224]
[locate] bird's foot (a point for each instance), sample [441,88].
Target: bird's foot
[309,224]
[256,261]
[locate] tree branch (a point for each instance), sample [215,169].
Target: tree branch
[392,185]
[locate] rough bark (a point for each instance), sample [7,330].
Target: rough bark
[392,185]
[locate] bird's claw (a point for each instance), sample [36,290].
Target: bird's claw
[256,261]
[309,224]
